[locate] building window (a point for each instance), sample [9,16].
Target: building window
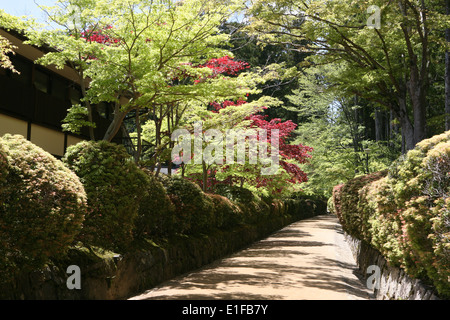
[59,88]
[42,81]
[24,67]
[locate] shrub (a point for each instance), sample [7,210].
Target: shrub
[293,207]
[278,207]
[418,186]
[352,217]
[252,206]
[226,213]
[193,208]
[405,215]
[236,194]
[3,166]
[425,215]
[309,205]
[337,193]
[114,186]
[42,205]
[156,211]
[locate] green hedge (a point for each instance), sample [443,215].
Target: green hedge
[252,206]
[405,215]
[156,215]
[352,215]
[114,185]
[42,205]
[97,196]
[227,214]
[194,210]
[307,205]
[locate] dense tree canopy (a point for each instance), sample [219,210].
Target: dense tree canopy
[358,82]
[389,65]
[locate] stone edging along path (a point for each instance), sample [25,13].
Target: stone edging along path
[307,260]
[393,282]
[311,259]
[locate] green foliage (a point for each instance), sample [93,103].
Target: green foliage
[235,194]
[114,187]
[384,219]
[155,45]
[3,167]
[156,211]
[339,131]
[193,209]
[351,215]
[405,215]
[226,213]
[396,66]
[421,185]
[309,205]
[9,22]
[75,119]
[252,206]
[42,205]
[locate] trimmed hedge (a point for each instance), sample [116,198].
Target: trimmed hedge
[309,204]
[353,217]
[226,213]
[114,186]
[194,210]
[252,206]
[42,205]
[3,166]
[156,215]
[405,215]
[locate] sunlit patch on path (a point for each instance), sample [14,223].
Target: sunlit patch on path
[307,260]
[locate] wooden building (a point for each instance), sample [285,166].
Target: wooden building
[34,102]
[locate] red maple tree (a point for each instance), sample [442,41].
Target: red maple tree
[299,153]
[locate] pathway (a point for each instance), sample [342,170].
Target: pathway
[307,260]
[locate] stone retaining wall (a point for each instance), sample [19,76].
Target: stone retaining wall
[394,283]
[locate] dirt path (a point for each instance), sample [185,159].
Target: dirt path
[308,260]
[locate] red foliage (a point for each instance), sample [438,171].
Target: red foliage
[224,65]
[218,106]
[299,152]
[98,36]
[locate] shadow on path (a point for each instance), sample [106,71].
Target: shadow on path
[306,260]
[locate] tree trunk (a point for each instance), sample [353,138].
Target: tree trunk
[447,89]
[138,153]
[418,70]
[88,105]
[418,100]
[406,126]
[447,72]
[116,124]
[378,125]
[205,176]
[183,169]
[158,169]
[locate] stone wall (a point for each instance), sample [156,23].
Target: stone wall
[108,276]
[394,283]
